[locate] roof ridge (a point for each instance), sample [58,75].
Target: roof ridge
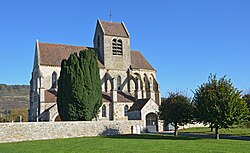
[63,44]
[111,22]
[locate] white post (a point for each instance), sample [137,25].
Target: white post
[20,118]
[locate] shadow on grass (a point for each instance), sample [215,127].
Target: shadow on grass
[181,136]
[246,138]
[222,136]
[151,137]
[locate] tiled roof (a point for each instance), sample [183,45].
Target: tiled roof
[121,97]
[138,105]
[50,96]
[139,62]
[114,29]
[53,54]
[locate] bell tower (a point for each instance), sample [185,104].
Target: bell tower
[112,41]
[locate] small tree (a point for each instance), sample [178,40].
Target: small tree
[176,110]
[219,104]
[247,100]
[79,87]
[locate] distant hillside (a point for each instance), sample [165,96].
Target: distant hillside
[14,96]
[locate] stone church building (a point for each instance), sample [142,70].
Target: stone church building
[129,85]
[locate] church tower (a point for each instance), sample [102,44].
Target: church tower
[113,43]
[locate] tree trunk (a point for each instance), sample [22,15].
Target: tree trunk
[175,130]
[217,135]
[212,129]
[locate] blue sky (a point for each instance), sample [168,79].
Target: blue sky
[184,40]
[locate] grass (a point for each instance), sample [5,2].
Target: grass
[230,131]
[128,143]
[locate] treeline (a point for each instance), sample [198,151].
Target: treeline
[8,90]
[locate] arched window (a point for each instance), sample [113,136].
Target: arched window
[104,111]
[126,110]
[117,47]
[119,82]
[54,80]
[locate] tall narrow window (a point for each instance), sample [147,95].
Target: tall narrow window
[137,84]
[54,80]
[119,82]
[126,110]
[104,111]
[98,41]
[117,47]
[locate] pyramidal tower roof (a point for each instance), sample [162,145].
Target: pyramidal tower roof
[114,28]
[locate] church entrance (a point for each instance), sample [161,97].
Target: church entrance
[152,122]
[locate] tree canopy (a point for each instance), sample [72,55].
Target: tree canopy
[176,110]
[247,99]
[79,87]
[219,104]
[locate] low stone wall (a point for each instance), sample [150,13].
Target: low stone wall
[12,132]
[171,127]
[192,125]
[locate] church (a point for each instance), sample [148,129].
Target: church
[130,90]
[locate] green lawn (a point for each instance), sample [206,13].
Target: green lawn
[229,131]
[128,143]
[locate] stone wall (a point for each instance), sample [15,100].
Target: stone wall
[12,132]
[193,125]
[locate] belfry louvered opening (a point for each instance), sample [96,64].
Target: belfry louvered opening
[117,47]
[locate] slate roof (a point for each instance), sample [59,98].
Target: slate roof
[53,54]
[121,97]
[138,105]
[114,29]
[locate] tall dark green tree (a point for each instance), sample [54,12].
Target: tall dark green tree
[219,104]
[176,110]
[79,94]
